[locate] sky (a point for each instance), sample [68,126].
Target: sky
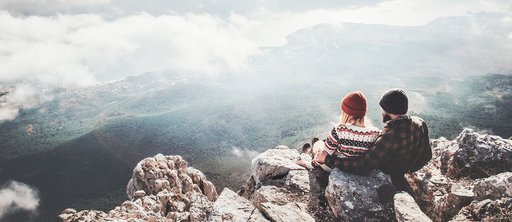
[48,44]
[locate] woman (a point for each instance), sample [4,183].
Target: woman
[351,138]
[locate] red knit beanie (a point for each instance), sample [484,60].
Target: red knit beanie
[354,104]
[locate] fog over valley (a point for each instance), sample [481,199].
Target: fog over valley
[89,88]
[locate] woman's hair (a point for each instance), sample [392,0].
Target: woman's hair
[352,120]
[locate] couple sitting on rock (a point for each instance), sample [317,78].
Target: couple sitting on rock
[403,145]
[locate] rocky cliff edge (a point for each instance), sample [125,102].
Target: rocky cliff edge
[468,178]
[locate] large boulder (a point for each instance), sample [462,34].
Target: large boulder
[297,180]
[280,204]
[354,198]
[154,174]
[232,207]
[407,210]
[274,164]
[480,156]
[449,204]
[278,187]
[447,183]
[494,187]
[439,196]
[487,210]
[162,188]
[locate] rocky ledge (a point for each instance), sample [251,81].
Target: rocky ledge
[162,188]
[467,179]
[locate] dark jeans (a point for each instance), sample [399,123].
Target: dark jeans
[318,206]
[400,182]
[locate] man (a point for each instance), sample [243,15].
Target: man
[402,147]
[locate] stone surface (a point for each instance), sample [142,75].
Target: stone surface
[160,172]
[487,210]
[280,204]
[274,163]
[480,156]
[450,204]
[447,183]
[439,196]
[354,198]
[278,187]
[162,188]
[298,180]
[407,210]
[494,187]
[232,207]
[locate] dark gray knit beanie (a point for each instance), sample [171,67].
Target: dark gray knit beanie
[394,101]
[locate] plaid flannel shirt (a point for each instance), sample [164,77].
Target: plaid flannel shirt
[403,146]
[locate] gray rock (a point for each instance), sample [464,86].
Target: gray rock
[450,204]
[82,216]
[162,188]
[139,194]
[285,213]
[494,187]
[487,210]
[439,196]
[354,198]
[158,173]
[480,156]
[232,207]
[199,207]
[274,163]
[298,180]
[444,187]
[407,210]
[280,204]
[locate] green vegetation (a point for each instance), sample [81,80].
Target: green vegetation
[85,143]
[483,103]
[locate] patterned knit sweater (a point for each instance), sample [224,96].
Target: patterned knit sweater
[350,141]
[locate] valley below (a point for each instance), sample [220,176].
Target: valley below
[78,150]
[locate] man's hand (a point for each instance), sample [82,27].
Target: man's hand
[320,156]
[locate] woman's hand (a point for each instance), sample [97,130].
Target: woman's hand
[301,163]
[320,156]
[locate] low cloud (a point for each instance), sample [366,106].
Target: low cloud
[50,7]
[38,54]
[52,44]
[243,153]
[21,96]
[78,50]
[15,196]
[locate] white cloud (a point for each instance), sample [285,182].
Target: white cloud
[9,112]
[238,152]
[76,50]
[49,7]
[23,96]
[17,196]
[80,50]
[117,8]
